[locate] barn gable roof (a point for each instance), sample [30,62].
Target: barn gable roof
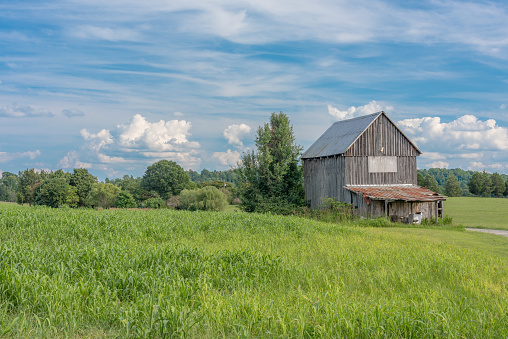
[339,137]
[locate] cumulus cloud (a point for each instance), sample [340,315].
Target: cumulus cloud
[353,112]
[476,165]
[234,132]
[158,136]
[71,160]
[72,113]
[228,158]
[24,111]
[464,133]
[5,156]
[137,141]
[439,164]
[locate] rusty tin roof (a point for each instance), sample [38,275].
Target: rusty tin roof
[397,193]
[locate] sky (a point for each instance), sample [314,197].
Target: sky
[114,86]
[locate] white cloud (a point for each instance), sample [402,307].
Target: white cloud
[105,33]
[353,112]
[503,106]
[71,161]
[496,166]
[5,157]
[24,111]
[234,132]
[137,141]
[229,158]
[159,136]
[433,156]
[71,113]
[466,132]
[98,140]
[439,164]
[476,165]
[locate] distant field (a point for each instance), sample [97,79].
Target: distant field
[478,212]
[161,273]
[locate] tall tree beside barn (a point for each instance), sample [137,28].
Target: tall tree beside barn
[271,177]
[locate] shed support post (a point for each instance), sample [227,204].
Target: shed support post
[436,206]
[386,209]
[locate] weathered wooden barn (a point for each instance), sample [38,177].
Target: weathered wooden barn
[370,163]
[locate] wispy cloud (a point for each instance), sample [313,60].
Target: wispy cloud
[24,111]
[353,112]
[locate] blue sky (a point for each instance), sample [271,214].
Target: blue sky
[114,86]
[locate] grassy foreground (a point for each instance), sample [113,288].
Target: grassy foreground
[478,212]
[162,273]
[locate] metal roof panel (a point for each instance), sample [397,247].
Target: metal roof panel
[397,192]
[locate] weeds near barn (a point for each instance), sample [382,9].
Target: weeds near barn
[162,273]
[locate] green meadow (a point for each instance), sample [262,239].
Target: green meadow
[162,273]
[478,212]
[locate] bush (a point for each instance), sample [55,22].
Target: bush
[154,203]
[125,200]
[208,198]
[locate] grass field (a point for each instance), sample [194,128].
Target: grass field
[478,212]
[162,273]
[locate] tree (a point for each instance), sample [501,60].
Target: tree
[431,183]
[102,195]
[498,185]
[83,181]
[8,187]
[272,178]
[125,200]
[452,186]
[208,198]
[506,190]
[480,184]
[29,180]
[420,180]
[165,177]
[54,192]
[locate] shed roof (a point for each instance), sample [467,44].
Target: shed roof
[397,193]
[342,134]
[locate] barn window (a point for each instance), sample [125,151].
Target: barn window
[382,164]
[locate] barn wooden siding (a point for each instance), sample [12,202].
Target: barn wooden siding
[324,178]
[357,172]
[382,134]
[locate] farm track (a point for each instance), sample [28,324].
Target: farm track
[496,232]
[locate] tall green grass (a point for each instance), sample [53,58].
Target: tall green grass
[478,212]
[163,273]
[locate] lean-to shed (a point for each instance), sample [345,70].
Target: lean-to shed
[370,163]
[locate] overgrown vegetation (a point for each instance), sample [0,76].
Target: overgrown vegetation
[271,178]
[163,273]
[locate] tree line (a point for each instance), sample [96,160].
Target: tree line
[457,182]
[268,179]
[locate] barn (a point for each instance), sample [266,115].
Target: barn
[370,163]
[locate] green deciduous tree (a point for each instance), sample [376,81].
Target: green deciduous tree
[165,177]
[431,183]
[208,198]
[8,187]
[125,200]
[498,185]
[29,180]
[452,186]
[55,192]
[420,180]
[102,195]
[271,177]
[83,181]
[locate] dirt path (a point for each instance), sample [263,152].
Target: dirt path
[497,232]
